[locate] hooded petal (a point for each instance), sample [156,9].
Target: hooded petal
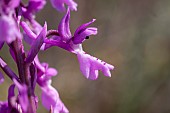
[64,27]
[81,36]
[59,4]
[90,65]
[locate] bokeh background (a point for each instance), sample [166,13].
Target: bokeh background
[134,36]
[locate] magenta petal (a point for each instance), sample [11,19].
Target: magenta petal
[90,65]
[51,72]
[28,31]
[64,28]
[93,74]
[83,27]
[80,37]
[84,65]
[36,45]
[49,96]
[60,107]
[1,78]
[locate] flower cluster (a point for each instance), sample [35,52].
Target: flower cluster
[14,16]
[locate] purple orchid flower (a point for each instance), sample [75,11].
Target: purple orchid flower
[50,96]
[89,65]
[59,4]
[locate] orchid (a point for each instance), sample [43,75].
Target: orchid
[18,24]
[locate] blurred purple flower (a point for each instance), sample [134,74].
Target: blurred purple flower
[60,4]
[8,29]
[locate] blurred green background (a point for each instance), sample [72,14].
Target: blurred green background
[134,36]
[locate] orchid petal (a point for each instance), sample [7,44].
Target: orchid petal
[36,45]
[79,38]
[90,65]
[64,28]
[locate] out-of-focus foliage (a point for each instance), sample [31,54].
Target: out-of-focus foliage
[134,36]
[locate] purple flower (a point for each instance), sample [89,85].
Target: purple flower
[59,4]
[44,73]
[8,29]
[89,65]
[34,6]
[50,98]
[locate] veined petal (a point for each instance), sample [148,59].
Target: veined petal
[64,28]
[90,65]
[36,45]
[79,38]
